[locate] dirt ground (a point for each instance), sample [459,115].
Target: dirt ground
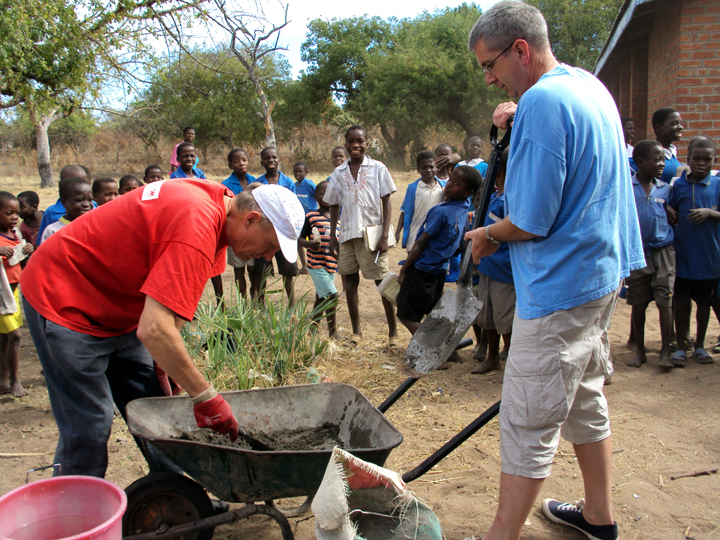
[663,424]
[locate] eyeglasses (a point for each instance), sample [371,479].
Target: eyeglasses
[488,69]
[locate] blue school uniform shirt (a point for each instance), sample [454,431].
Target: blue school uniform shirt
[697,247]
[446,224]
[580,205]
[52,214]
[655,229]
[283,181]
[408,207]
[305,192]
[671,164]
[497,266]
[179,173]
[233,184]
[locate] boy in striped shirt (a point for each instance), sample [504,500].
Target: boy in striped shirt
[322,266]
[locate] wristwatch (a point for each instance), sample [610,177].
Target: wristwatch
[488,237]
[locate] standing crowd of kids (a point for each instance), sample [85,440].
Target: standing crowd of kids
[677,205]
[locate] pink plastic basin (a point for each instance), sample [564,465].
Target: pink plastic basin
[63,508]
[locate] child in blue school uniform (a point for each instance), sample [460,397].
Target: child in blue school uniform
[693,209]
[187,157]
[305,191]
[420,197]
[237,182]
[474,149]
[270,160]
[667,124]
[656,280]
[496,287]
[422,277]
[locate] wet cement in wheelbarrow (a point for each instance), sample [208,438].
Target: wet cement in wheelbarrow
[323,437]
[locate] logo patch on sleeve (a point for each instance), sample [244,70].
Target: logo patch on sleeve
[152,191]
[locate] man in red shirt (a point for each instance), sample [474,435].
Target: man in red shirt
[109,293]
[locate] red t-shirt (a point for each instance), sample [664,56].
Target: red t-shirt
[11,240]
[163,240]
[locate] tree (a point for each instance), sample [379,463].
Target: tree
[251,39]
[578,29]
[56,52]
[221,108]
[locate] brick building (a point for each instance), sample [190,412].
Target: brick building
[665,53]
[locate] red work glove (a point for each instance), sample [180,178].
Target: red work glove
[217,415]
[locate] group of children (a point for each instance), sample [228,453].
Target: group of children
[679,223]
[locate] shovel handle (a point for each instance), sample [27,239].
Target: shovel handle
[487,191]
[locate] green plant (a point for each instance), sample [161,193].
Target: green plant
[241,344]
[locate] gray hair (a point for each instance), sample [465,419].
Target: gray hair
[508,21]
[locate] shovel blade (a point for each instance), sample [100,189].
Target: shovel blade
[442,330]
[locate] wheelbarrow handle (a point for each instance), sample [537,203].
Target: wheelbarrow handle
[452,444]
[498,147]
[410,381]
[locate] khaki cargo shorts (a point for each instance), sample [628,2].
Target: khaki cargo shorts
[354,257]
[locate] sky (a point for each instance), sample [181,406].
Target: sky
[300,12]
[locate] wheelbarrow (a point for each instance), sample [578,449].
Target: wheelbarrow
[162,506]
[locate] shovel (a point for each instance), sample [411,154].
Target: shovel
[451,318]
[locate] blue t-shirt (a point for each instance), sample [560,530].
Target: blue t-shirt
[233,184]
[283,181]
[408,207]
[497,266]
[569,183]
[697,247]
[446,224]
[482,168]
[655,229]
[179,173]
[305,192]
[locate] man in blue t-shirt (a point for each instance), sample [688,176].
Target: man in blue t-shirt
[573,235]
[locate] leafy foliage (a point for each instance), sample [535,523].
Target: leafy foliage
[578,29]
[239,345]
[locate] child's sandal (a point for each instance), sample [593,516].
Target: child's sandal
[679,359]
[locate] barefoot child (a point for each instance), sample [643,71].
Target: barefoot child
[322,266]
[238,181]
[104,190]
[363,187]
[270,160]
[76,197]
[693,208]
[10,315]
[31,216]
[420,197]
[422,277]
[187,157]
[305,191]
[130,182]
[496,287]
[656,280]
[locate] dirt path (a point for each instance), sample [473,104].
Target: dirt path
[663,424]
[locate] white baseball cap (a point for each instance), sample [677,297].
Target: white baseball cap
[282,207]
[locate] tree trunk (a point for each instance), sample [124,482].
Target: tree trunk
[267,108]
[41,122]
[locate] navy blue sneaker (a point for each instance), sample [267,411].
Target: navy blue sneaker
[571,515]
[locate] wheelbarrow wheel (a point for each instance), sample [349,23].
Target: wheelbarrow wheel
[159,501]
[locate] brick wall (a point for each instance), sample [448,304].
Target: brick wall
[698,68]
[673,61]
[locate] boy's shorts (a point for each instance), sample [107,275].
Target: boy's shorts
[236,262]
[324,282]
[419,292]
[12,321]
[354,257]
[655,281]
[498,308]
[702,291]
